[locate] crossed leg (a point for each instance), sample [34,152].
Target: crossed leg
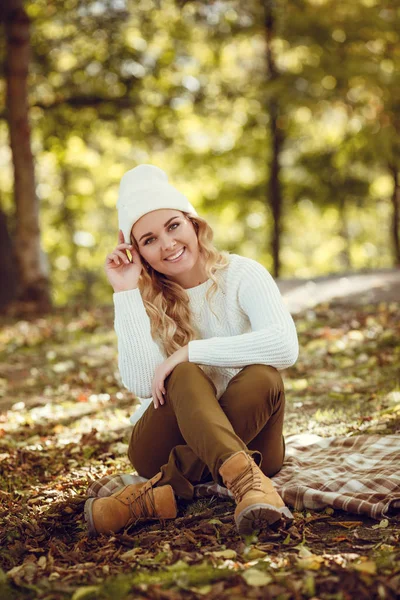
[190,436]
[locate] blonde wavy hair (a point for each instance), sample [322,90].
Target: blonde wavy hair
[167,303]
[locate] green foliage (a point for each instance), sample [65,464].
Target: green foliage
[186,86]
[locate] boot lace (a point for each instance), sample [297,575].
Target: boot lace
[138,507]
[247,480]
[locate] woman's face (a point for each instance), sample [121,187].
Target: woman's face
[161,235]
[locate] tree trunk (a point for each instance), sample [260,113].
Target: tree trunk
[396,214]
[8,272]
[344,255]
[33,280]
[274,194]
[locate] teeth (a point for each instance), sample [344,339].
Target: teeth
[175,255]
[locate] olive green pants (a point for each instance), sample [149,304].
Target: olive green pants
[192,433]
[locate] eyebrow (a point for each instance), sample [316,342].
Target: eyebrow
[165,224]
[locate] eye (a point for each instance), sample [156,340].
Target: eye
[172,225]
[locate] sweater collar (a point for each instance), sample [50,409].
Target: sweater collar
[197,292]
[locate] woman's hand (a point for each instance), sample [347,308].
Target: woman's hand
[162,372]
[121,272]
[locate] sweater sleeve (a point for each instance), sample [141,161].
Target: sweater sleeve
[273,339]
[138,353]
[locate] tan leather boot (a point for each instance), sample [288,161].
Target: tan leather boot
[130,504]
[258,503]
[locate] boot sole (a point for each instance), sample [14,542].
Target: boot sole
[257,516]
[89,517]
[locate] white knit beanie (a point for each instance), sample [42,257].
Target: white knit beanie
[143,189]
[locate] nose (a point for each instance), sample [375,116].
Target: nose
[168,244]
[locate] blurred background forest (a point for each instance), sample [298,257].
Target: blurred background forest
[279,120]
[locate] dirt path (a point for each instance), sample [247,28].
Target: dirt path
[351,289]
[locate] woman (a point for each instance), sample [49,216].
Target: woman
[201,337]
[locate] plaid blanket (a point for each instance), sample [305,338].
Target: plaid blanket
[358,474]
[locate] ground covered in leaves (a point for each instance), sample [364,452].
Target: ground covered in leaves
[64,421]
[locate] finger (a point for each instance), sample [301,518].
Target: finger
[124,246]
[161,386]
[120,236]
[112,258]
[122,255]
[159,395]
[155,400]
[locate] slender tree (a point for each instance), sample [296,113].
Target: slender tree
[7,258]
[33,283]
[274,192]
[396,213]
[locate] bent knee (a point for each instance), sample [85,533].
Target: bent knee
[182,372]
[188,372]
[143,464]
[185,367]
[266,376]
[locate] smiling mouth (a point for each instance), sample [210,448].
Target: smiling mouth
[177,257]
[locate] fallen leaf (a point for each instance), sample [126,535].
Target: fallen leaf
[256,578]
[368,566]
[382,525]
[189,535]
[131,554]
[231,554]
[312,562]
[215,522]
[254,553]
[90,591]
[204,589]
[304,552]
[346,524]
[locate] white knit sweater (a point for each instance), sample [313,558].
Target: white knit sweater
[252,326]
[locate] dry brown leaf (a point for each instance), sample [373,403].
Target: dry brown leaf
[346,524]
